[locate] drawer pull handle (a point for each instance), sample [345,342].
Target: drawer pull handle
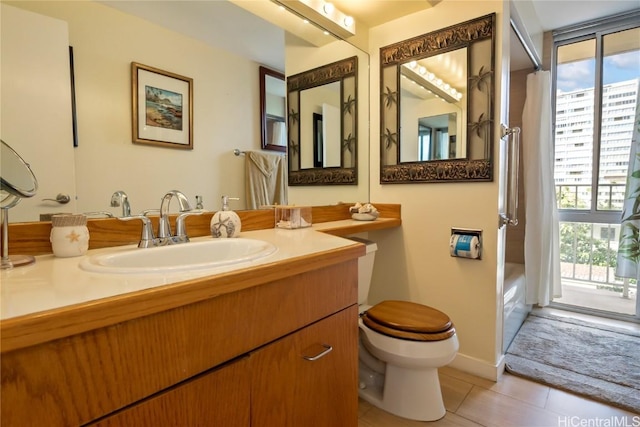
[326,349]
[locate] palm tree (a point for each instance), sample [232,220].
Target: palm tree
[293,147]
[480,81]
[390,97]
[630,233]
[349,143]
[630,241]
[390,138]
[348,105]
[480,129]
[293,116]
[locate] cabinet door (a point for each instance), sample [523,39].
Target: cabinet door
[298,381]
[217,398]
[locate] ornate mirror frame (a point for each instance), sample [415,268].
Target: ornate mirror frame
[346,72]
[480,102]
[265,116]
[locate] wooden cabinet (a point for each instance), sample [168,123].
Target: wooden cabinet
[235,356]
[216,398]
[308,378]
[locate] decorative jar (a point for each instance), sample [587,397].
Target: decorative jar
[69,235]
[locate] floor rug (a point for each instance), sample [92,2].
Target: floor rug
[592,360]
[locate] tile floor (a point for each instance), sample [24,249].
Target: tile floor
[510,402]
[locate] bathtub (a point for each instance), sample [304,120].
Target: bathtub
[515,309]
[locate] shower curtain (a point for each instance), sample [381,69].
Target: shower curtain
[542,235]
[279,134]
[629,248]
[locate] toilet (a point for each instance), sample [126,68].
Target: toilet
[402,345]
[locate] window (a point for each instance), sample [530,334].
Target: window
[608,233]
[596,82]
[596,74]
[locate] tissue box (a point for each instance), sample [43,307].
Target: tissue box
[291,217]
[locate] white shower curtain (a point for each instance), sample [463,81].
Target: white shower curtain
[629,248]
[542,235]
[279,134]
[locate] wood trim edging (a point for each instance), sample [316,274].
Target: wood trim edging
[32,238]
[23,331]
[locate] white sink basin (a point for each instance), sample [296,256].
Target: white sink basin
[182,257]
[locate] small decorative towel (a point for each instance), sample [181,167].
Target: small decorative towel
[266,179]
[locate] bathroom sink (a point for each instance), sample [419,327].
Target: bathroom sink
[182,257]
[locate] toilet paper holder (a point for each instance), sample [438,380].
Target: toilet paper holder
[465,243]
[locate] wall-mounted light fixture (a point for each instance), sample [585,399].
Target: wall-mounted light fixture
[323,13]
[431,82]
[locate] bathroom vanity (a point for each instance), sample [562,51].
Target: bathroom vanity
[266,344]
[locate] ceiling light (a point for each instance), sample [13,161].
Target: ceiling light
[348,21]
[324,14]
[430,82]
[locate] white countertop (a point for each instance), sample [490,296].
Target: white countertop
[53,282]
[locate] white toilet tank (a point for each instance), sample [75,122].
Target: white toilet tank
[365,269]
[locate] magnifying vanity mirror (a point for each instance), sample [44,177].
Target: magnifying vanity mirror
[436,110]
[17,178]
[272,110]
[322,125]
[16,182]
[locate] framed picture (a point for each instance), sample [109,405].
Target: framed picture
[162,108]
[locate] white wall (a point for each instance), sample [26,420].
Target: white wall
[226,110]
[414,263]
[414,108]
[312,101]
[524,14]
[36,107]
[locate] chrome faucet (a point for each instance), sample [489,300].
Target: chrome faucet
[119,198]
[164,228]
[99,213]
[148,239]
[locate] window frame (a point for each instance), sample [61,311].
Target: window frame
[592,30]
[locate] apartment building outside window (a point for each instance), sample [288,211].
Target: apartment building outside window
[596,69]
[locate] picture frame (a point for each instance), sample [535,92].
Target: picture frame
[162,107]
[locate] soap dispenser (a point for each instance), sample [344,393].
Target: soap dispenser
[225,222]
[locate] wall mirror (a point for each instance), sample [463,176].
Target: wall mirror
[106,36]
[436,106]
[273,127]
[322,124]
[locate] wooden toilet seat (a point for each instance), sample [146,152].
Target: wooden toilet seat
[409,321]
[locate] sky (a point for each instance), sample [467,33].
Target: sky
[580,74]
